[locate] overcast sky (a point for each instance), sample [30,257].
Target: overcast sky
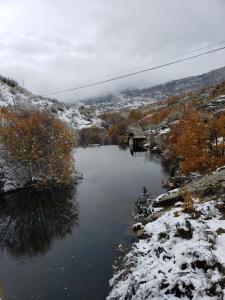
[55,44]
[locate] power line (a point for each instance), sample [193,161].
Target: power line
[168,58]
[137,72]
[147,65]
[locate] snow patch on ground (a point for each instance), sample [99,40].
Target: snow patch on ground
[183,258]
[164,131]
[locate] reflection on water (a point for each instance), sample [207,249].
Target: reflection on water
[123,147]
[42,243]
[30,221]
[136,149]
[146,154]
[2,292]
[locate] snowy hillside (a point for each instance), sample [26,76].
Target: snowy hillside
[84,114]
[75,114]
[119,102]
[140,97]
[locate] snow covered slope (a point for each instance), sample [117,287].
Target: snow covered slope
[139,97]
[75,114]
[183,258]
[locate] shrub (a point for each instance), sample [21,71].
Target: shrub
[184,232]
[40,143]
[145,122]
[112,118]
[218,90]
[159,116]
[142,204]
[118,133]
[188,202]
[9,81]
[93,135]
[135,115]
[117,125]
[173,100]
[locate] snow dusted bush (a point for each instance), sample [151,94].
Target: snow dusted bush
[38,144]
[142,204]
[198,140]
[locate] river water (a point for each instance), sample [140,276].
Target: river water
[60,245]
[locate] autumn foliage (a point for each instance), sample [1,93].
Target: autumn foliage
[93,135]
[135,115]
[117,125]
[188,202]
[218,90]
[40,143]
[198,141]
[160,115]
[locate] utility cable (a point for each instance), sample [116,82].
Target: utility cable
[137,72]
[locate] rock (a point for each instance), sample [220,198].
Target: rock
[139,231]
[53,109]
[137,226]
[142,234]
[120,248]
[209,186]
[169,198]
[220,231]
[155,216]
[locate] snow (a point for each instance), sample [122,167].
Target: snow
[69,113]
[221,99]
[220,140]
[218,169]
[164,131]
[169,193]
[168,263]
[10,173]
[215,224]
[147,145]
[220,248]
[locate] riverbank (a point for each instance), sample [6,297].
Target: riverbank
[182,253]
[181,249]
[12,179]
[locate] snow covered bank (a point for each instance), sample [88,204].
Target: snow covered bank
[183,258]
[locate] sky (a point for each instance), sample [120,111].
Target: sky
[53,44]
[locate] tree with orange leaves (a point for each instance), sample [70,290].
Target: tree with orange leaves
[217,139]
[188,139]
[40,142]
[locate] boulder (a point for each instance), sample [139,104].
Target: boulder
[209,186]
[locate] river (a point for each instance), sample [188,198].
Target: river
[62,244]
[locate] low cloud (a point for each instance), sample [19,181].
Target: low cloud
[53,45]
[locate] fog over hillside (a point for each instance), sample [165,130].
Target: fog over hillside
[50,45]
[137,97]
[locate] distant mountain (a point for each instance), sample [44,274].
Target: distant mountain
[86,113]
[137,97]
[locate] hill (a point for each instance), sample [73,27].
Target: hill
[11,94]
[137,97]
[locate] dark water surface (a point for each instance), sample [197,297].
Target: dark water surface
[62,244]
